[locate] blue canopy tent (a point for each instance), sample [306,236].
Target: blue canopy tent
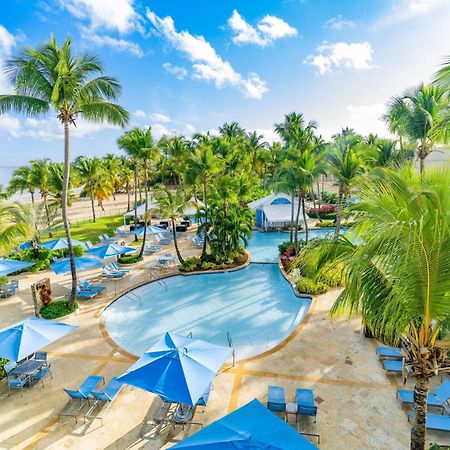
[178,368]
[109,250]
[8,266]
[251,427]
[150,230]
[81,263]
[24,338]
[58,244]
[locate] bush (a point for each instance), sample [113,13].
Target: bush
[328,216]
[57,309]
[308,286]
[3,280]
[210,265]
[130,259]
[190,264]
[3,363]
[282,248]
[325,224]
[331,278]
[330,197]
[78,250]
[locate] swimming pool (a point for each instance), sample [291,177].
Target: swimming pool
[255,305]
[263,246]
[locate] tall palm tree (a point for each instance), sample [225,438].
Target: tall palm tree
[171,205]
[126,176]
[88,171]
[442,76]
[442,79]
[398,275]
[384,153]
[74,86]
[112,165]
[12,233]
[176,149]
[419,112]
[56,186]
[40,173]
[139,145]
[22,181]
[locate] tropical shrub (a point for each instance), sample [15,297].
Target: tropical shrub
[3,280]
[129,259]
[325,224]
[284,246]
[3,363]
[210,266]
[308,286]
[328,216]
[58,309]
[190,264]
[330,197]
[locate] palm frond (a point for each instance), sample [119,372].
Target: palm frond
[23,104]
[104,111]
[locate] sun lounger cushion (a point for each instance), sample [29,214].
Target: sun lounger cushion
[305,402]
[276,398]
[436,398]
[436,421]
[110,391]
[393,366]
[389,352]
[88,385]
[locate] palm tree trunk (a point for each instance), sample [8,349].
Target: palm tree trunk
[319,201]
[175,242]
[64,212]
[291,234]
[146,211]
[32,197]
[128,196]
[206,217]
[304,220]
[422,166]
[297,218]
[135,198]
[340,205]
[420,413]
[47,214]
[92,204]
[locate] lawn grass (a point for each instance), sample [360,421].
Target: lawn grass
[89,231]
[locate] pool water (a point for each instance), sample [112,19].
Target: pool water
[263,246]
[255,305]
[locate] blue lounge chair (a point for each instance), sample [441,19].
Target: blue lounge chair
[389,352]
[435,399]
[164,241]
[86,286]
[305,402]
[105,397]
[152,248]
[436,422]
[115,268]
[85,294]
[393,367]
[108,273]
[276,401]
[80,395]
[38,376]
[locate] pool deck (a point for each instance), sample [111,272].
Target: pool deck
[356,400]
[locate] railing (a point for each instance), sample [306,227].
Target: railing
[133,296]
[189,335]
[230,343]
[156,278]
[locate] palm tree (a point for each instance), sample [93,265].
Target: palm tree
[22,181]
[442,76]
[4,194]
[398,275]
[74,86]
[126,175]
[172,205]
[139,145]
[419,113]
[345,164]
[88,171]
[11,233]
[56,186]
[176,149]
[384,153]
[442,79]
[40,178]
[112,165]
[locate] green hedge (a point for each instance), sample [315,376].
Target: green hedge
[57,309]
[325,224]
[130,259]
[210,263]
[307,286]
[328,216]
[3,363]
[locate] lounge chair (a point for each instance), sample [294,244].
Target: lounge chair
[115,268]
[276,401]
[436,399]
[100,238]
[163,240]
[305,402]
[393,367]
[436,422]
[105,397]
[389,352]
[198,242]
[9,289]
[108,273]
[80,395]
[122,233]
[107,238]
[89,244]
[84,294]
[86,286]
[40,374]
[152,248]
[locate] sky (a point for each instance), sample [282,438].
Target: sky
[188,66]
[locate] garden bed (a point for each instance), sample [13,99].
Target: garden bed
[59,308]
[196,265]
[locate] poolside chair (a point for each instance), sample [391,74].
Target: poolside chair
[84,294]
[41,356]
[17,383]
[149,249]
[105,397]
[80,396]
[197,241]
[86,286]
[107,238]
[305,402]
[7,290]
[89,244]
[276,401]
[100,238]
[436,399]
[108,273]
[122,233]
[163,240]
[40,374]
[116,268]
[436,422]
[393,367]
[389,352]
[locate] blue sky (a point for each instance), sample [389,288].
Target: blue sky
[189,66]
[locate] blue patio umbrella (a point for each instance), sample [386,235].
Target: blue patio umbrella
[8,266]
[24,338]
[150,230]
[178,368]
[58,244]
[81,263]
[251,427]
[109,250]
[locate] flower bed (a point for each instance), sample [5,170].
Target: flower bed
[195,264]
[58,309]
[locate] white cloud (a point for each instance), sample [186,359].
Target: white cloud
[179,72]
[366,119]
[268,134]
[118,15]
[268,29]
[159,130]
[156,116]
[207,64]
[332,57]
[10,125]
[120,45]
[189,129]
[140,113]
[7,43]
[339,23]
[403,10]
